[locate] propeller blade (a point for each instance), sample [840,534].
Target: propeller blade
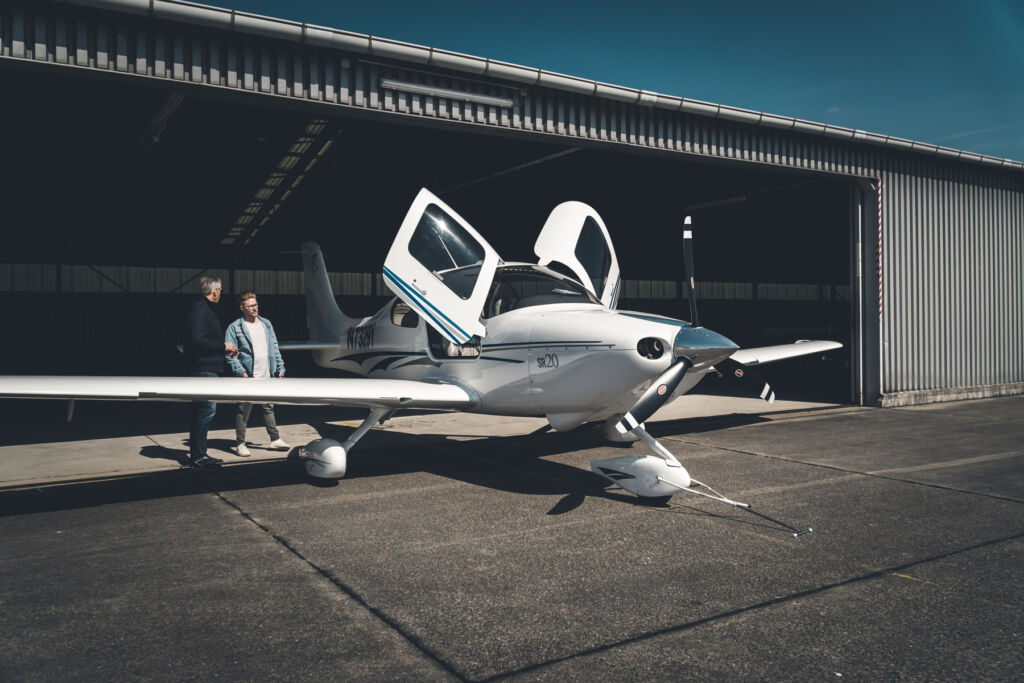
[688,270]
[736,370]
[655,396]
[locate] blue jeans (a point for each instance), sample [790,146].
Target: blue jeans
[199,425]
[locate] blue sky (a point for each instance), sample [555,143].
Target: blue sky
[949,73]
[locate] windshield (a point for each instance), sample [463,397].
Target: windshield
[518,287]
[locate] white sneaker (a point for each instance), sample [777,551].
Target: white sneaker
[242,450]
[280,445]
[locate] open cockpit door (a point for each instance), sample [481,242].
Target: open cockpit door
[576,237]
[442,268]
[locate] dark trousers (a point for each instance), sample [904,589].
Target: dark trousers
[242,419]
[199,424]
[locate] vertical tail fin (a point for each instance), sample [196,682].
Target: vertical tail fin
[325,320]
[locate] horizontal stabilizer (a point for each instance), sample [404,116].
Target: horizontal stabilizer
[769,354]
[355,392]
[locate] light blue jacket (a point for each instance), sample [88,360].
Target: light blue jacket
[237,335]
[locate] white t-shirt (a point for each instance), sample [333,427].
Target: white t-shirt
[260,354]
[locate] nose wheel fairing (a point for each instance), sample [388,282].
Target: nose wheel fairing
[644,475]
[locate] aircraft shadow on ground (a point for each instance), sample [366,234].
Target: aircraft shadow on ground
[24,422]
[515,464]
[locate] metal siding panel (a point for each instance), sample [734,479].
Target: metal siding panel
[214,74]
[970,285]
[444,108]
[345,94]
[178,59]
[82,43]
[102,48]
[430,102]
[1015,211]
[17,33]
[360,96]
[196,67]
[330,80]
[265,70]
[373,87]
[936,260]
[897,227]
[248,68]
[984,289]
[945,286]
[121,45]
[415,103]
[232,66]
[60,39]
[281,72]
[39,51]
[159,56]
[315,78]
[142,53]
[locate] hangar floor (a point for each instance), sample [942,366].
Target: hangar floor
[472,559]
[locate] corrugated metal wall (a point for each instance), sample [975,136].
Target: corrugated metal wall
[953,277]
[952,252]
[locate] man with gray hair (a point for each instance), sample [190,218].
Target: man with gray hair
[206,350]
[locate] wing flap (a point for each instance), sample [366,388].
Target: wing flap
[357,392]
[769,354]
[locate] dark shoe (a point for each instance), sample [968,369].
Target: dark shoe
[206,463]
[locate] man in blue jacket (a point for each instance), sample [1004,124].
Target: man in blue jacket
[258,356]
[206,349]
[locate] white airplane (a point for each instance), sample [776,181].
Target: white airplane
[469,332]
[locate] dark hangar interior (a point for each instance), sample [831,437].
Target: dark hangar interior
[105,173]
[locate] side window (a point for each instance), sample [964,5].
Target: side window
[403,316]
[447,251]
[592,253]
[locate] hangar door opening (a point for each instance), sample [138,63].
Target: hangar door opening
[103,200]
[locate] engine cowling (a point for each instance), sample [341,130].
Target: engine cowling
[326,458]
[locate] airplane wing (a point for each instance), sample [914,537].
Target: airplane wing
[355,392]
[769,354]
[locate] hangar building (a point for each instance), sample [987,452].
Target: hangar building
[147,142]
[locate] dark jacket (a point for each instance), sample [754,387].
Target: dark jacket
[205,345]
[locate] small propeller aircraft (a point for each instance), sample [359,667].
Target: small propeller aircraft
[469,332]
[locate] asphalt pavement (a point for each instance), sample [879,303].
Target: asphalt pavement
[465,547]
